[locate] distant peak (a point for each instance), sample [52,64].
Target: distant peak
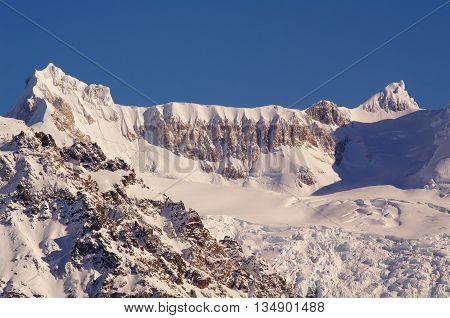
[394,97]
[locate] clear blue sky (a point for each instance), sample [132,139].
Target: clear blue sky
[235,53]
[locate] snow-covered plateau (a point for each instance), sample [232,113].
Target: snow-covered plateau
[103,200]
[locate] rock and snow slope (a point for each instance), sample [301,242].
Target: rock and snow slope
[63,234]
[376,171]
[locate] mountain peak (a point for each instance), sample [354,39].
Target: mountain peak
[51,70]
[54,80]
[50,88]
[393,98]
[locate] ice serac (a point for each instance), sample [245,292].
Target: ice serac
[393,98]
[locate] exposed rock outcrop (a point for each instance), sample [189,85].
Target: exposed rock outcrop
[305,176]
[328,113]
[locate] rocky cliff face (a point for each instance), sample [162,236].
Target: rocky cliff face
[244,139]
[89,227]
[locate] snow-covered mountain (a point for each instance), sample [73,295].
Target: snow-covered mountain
[271,145]
[361,197]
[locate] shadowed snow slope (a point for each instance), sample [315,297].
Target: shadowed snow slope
[408,152]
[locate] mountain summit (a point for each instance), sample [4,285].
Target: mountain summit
[393,98]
